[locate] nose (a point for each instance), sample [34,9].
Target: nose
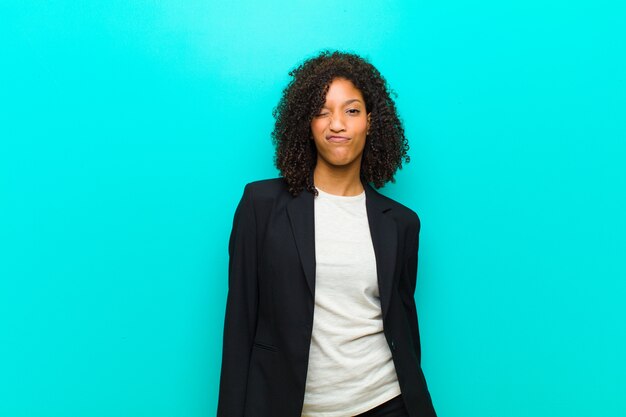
[337,123]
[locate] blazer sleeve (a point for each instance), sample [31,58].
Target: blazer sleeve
[410,282]
[241,309]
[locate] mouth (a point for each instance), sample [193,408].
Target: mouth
[337,139]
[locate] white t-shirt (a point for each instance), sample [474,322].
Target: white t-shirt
[350,366]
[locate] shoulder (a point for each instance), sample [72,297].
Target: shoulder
[267,192]
[271,184]
[399,211]
[266,200]
[265,188]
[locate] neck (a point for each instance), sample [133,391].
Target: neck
[338,180]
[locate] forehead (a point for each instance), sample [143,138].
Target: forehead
[342,89]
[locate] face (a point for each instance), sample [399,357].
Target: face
[340,128]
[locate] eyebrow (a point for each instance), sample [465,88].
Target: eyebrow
[345,103]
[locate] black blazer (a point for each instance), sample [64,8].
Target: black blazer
[269,311]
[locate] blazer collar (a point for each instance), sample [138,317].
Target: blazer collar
[382,229]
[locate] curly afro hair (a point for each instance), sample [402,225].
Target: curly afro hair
[386,146]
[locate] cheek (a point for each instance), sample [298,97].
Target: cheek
[317,127]
[361,127]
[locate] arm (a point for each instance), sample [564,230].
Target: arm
[241,310]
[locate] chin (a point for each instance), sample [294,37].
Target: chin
[340,163]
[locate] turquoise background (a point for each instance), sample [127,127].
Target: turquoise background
[129,128]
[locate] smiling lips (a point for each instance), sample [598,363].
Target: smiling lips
[337,139]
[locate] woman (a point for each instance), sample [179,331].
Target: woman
[320,316]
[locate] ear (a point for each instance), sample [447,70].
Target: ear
[369,118]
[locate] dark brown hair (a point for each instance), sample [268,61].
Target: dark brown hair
[386,146]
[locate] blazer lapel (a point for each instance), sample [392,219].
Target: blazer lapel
[385,242]
[382,229]
[302,219]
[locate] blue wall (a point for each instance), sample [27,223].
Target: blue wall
[127,132]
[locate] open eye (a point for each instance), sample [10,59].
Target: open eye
[353,111]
